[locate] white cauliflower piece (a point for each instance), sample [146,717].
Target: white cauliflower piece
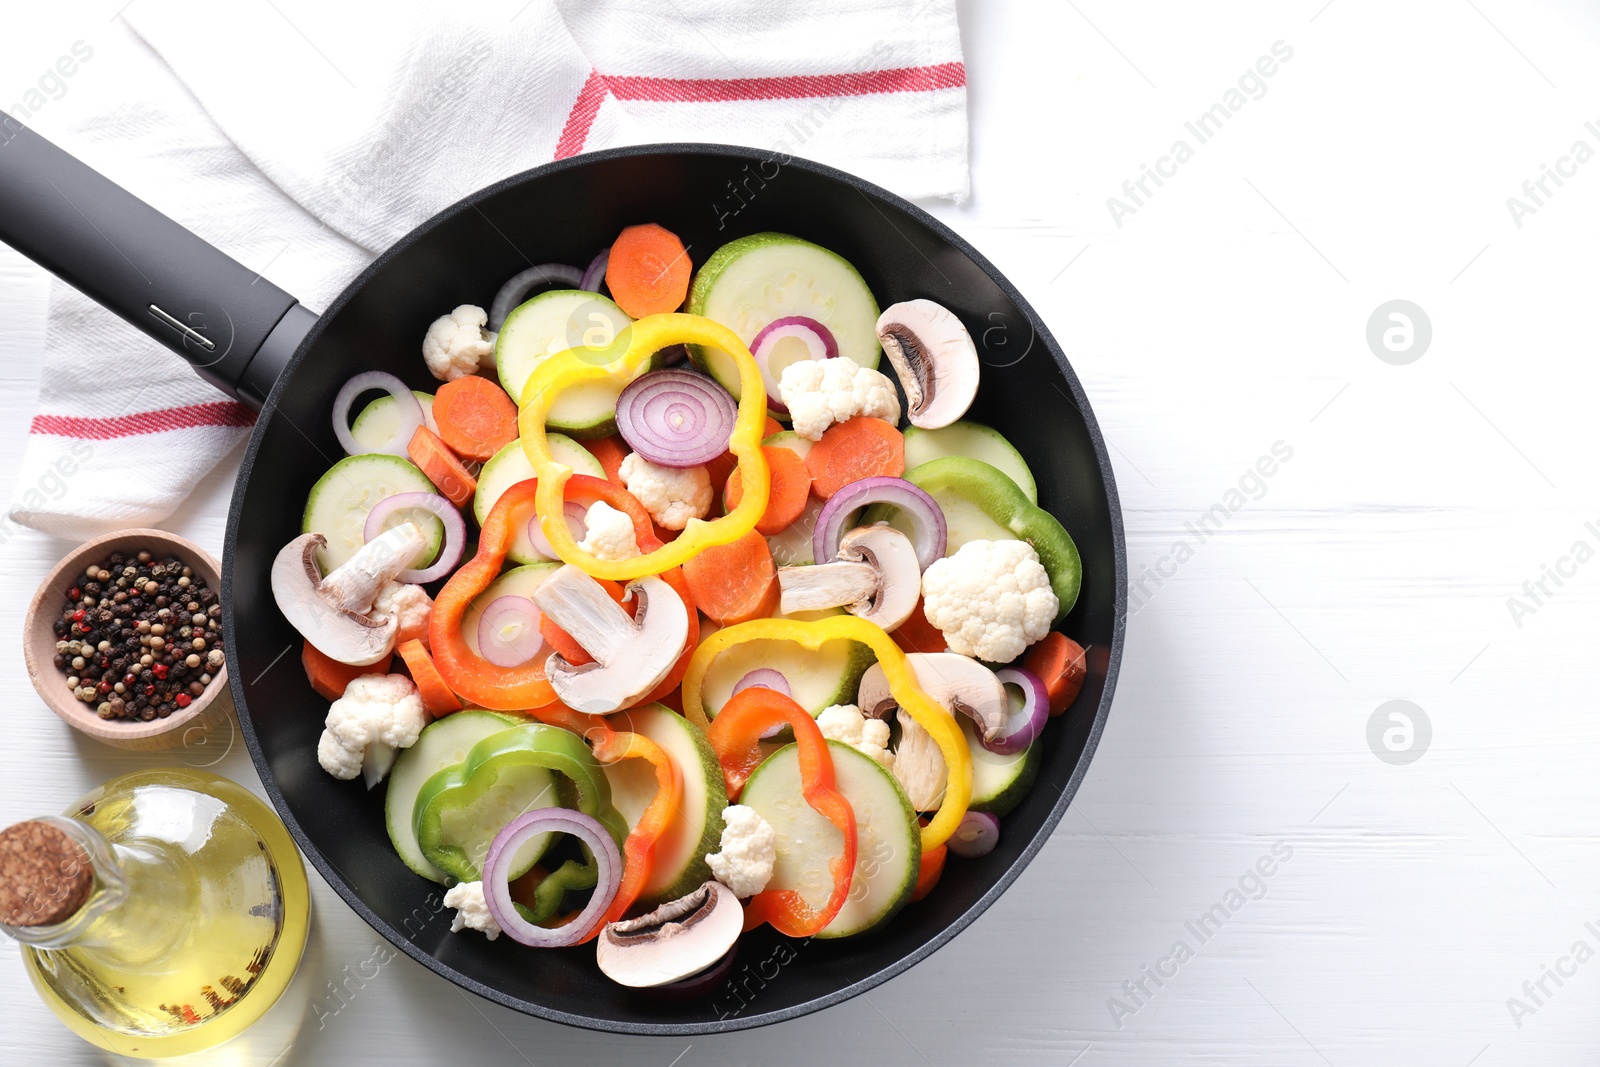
[846,723]
[821,392]
[992,599]
[472,911]
[608,533]
[749,849]
[410,605]
[672,495]
[376,709]
[457,344]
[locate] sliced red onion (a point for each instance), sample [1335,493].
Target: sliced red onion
[976,835]
[817,338]
[508,633]
[763,678]
[497,872]
[517,288]
[676,418]
[696,985]
[455,532]
[596,271]
[927,518]
[1024,724]
[410,412]
[576,515]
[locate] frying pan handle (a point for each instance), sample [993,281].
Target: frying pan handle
[235,327]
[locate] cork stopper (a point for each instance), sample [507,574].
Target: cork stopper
[45,876]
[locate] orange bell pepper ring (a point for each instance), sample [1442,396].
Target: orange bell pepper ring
[735,737]
[575,367]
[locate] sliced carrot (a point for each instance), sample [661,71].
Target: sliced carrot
[436,696]
[735,582]
[441,466]
[862,447]
[563,642]
[928,872]
[773,426]
[1061,664]
[610,451]
[475,417]
[648,273]
[917,634]
[329,677]
[786,499]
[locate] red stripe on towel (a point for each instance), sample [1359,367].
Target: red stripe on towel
[213,413]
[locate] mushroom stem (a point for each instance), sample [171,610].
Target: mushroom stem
[826,585]
[631,654]
[356,583]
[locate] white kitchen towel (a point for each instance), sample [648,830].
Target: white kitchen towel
[302,139]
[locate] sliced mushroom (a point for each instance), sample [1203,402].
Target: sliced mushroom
[934,358]
[631,654]
[875,576]
[679,939]
[961,685]
[332,612]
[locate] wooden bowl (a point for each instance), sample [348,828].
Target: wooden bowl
[39,646]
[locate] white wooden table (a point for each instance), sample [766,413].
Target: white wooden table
[1224,315]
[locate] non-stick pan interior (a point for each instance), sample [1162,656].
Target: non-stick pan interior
[565,213]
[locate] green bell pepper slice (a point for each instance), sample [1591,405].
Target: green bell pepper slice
[467,786]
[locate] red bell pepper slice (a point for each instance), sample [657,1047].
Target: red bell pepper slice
[735,737]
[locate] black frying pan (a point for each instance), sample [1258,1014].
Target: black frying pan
[255,342]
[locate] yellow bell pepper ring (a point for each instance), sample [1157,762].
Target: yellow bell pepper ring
[576,367]
[939,723]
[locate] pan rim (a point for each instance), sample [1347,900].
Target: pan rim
[335,878]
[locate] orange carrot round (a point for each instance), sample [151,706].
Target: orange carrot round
[735,582]
[1061,664]
[610,451]
[648,273]
[790,488]
[441,466]
[928,872]
[862,447]
[475,417]
[917,634]
[329,677]
[436,695]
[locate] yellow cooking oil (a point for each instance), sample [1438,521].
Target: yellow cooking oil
[195,924]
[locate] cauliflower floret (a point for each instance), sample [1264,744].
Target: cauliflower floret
[672,495]
[992,599]
[410,605]
[870,737]
[821,392]
[608,533]
[457,344]
[375,709]
[472,911]
[749,849]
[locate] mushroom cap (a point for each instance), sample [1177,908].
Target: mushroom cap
[934,358]
[679,939]
[960,684]
[891,554]
[337,632]
[631,654]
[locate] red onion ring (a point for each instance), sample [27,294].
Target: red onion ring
[1023,724]
[576,515]
[595,273]
[519,285]
[817,338]
[455,532]
[676,418]
[497,871]
[764,678]
[410,412]
[521,616]
[927,518]
[976,835]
